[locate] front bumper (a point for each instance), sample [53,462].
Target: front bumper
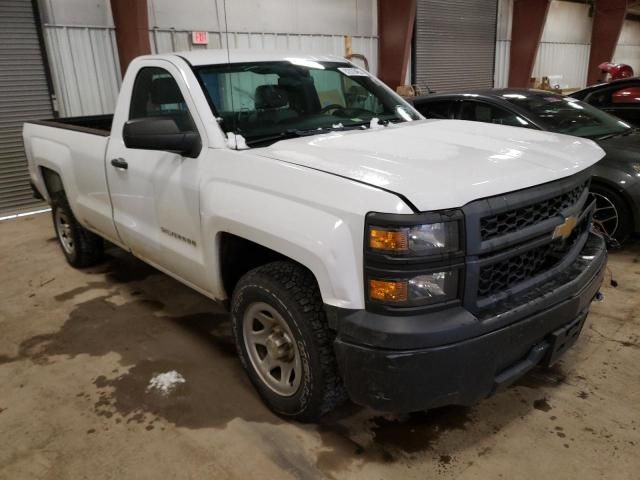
[385,366]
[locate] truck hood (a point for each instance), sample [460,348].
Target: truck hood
[439,164]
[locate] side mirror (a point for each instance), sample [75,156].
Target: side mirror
[156,133]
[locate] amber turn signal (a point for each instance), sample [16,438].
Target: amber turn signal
[392,240]
[388,290]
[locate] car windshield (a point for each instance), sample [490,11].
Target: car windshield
[268,101]
[568,115]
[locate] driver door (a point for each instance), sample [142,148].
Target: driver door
[155,194]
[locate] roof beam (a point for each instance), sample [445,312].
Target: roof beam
[395,31]
[132,30]
[529,17]
[608,18]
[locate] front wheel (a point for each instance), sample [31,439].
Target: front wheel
[612,215]
[284,342]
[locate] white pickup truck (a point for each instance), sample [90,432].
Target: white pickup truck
[363,251]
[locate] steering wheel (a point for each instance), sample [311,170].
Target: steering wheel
[356,111]
[570,124]
[333,106]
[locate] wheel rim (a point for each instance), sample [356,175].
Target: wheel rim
[272,349]
[606,214]
[63,229]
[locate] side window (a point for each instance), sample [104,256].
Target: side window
[441,109]
[156,94]
[483,112]
[626,96]
[600,99]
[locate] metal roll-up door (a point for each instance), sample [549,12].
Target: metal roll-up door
[24,95]
[454,44]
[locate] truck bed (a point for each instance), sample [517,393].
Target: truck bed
[93,124]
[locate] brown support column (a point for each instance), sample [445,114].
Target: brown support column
[132,30]
[395,30]
[608,19]
[529,17]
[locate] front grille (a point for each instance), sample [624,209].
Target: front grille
[502,275]
[513,220]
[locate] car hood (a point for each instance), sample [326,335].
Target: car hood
[621,160]
[622,147]
[440,164]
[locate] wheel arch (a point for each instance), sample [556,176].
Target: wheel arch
[239,255]
[52,182]
[608,184]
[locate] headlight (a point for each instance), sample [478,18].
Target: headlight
[413,261]
[636,168]
[426,239]
[424,289]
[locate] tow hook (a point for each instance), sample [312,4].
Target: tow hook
[599,297]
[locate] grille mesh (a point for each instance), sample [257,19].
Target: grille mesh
[519,218]
[500,276]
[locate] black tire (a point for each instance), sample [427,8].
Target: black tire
[605,196]
[87,248]
[292,291]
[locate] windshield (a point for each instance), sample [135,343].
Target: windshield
[268,101]
[568,115]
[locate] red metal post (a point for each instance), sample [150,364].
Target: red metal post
[132,30]
[529,17]
[395,30]
[608,19]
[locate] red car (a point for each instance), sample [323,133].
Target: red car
[620,98]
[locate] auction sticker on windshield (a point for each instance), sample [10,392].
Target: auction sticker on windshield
[353,72]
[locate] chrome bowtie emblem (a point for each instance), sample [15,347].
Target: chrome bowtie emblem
[564,230]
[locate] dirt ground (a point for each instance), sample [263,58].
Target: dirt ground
[78,349]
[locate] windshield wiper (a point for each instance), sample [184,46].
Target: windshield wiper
[608,136]
[289,133]
[624,133]
[295,133]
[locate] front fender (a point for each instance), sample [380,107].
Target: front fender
[328,244]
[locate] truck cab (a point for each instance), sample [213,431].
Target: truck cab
[363,251]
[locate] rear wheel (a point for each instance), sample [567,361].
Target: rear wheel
[284,342]
[81,247]
[612,214]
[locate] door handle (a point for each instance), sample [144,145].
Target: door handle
[120,163]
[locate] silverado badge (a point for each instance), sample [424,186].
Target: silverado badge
[564,230]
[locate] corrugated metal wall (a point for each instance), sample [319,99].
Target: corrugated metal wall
[86,72]
[565,63]
[503,43]
[628,50]
[563,51]
[454,44]
[169,40]
[84,67]
[24,95]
